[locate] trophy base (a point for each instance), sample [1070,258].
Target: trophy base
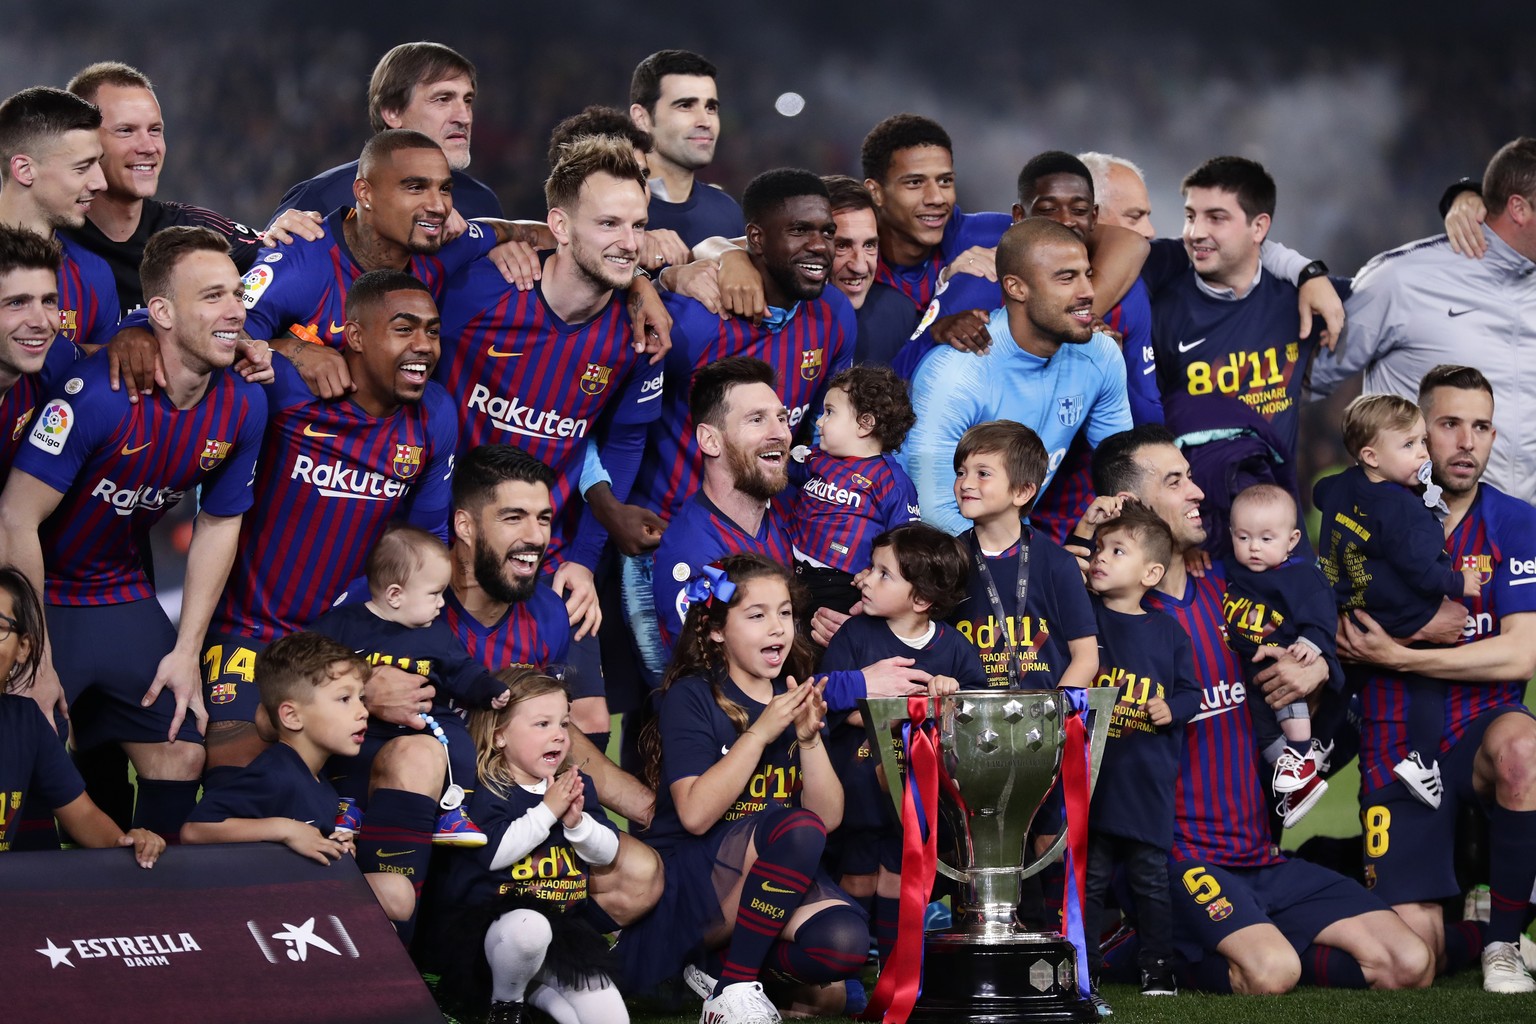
[1026,978]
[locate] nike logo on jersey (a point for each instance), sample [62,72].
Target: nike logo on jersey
[1185,346]
[310,431]
[336,328]
[780,890]
[397,853]
[725,750]
[501,355]
[1457,312]
[134,451]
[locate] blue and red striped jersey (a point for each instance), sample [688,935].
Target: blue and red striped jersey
[87,296]
[331,478]
[520,375]
[1497,537]
[121,466]
[532,632]
[807,351]
[699,534]
[844,504]
[963,231]
[306,283]
[1061,505]
[1220,814]
[22,399]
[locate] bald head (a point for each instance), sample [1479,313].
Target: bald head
[1028,239]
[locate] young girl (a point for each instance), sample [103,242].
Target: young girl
[525,891]
[745,795]
[32,758]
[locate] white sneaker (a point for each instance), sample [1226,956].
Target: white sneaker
[1423,782]
[1503,970]
[697,979]
[745,1003]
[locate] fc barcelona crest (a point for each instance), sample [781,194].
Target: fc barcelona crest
[21,423]
[69,321]
[1069,410]
[213,453]
[222,693]
[810,364]
[596,378]
[407,461]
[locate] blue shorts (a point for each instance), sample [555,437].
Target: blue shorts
[106,657]
[1211,902]
[229,677]
[1410,848]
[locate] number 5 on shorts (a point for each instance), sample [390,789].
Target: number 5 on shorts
[1201,885]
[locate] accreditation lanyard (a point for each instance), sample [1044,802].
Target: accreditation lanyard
[1015,658]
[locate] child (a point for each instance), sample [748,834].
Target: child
[408,570]
[312,690]
[1025,608]
[527,888]
[916,576]
[1276,599]
[851,487]
[1383,549]
[745,793]
[1146,655]
[33,761]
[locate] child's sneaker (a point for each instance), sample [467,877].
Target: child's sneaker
[1422,781]
[699,980]
[1294,806]
[1293,771]
[1100,1004]
[349,820]
[455,829]
[741,1003]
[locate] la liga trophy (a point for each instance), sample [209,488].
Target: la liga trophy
[1003,750]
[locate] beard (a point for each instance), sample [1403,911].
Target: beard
[491,573]
[751,478]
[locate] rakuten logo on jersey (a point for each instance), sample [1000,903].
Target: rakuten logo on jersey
[126,501]
[513,416]
[797,414]
[336,479]
[1220,697]
[827,491]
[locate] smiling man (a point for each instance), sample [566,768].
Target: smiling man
[426,87]
[673,96]
[1045,367]
[96,474]
[333,474]
[886,317]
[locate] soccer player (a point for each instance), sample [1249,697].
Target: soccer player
[1245,918]
[426,87]
[1486,751]
[50,176]
[124,216]
[96,474]
[672,95]
[886,318]
[551,370]
[333,474]
[1046,368]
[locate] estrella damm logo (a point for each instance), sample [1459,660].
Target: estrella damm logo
[214,452]
[221,693]
[810,364]
[1219,909]
[407,461]
[1482,563]
[69,320]
[21,423]
[595,379]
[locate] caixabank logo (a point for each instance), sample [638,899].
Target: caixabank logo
[296,943]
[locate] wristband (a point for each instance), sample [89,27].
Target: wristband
[1317,268]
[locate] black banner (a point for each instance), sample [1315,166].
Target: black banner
[241,933]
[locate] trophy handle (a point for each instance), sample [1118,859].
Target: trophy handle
[881,714]
[1101,701]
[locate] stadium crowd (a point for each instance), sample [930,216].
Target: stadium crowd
[468,486]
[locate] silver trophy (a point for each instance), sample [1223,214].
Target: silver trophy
[1003,749]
